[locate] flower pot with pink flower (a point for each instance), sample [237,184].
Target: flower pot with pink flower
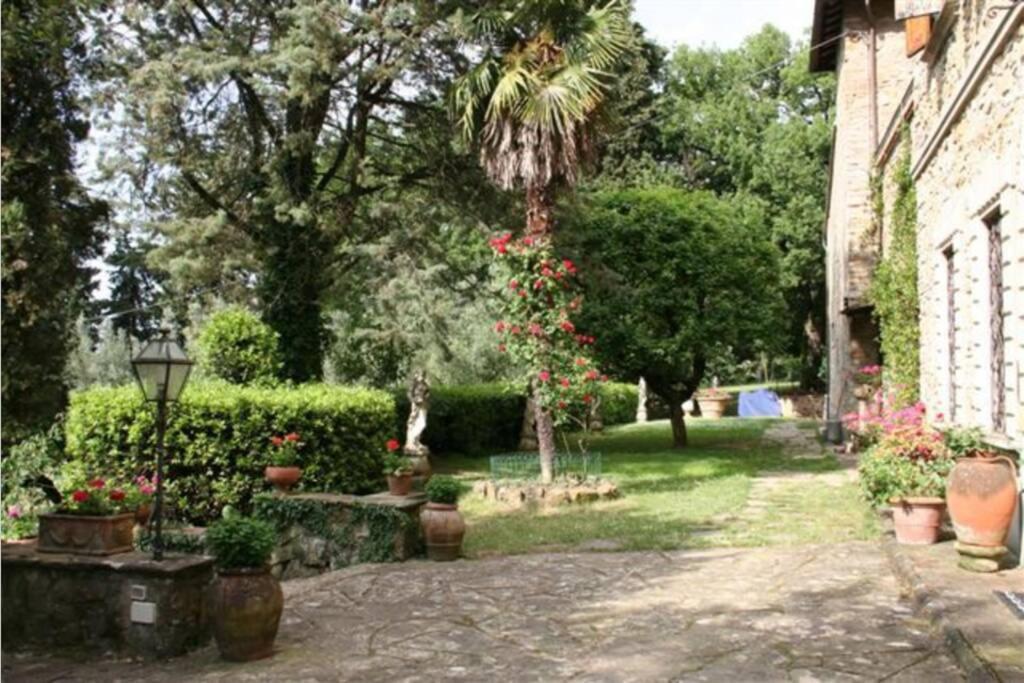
[142,495]
[95,516]
[398,469]
[284,471]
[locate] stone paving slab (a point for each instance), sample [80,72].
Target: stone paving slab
[984,636]
[814,613]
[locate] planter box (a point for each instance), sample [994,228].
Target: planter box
[712,408]
[86,534]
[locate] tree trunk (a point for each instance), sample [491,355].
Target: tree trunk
[540,211]
[678,420]
[641,401]
[545,442]
[528,430]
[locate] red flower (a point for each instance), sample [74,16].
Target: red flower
[292,436]
[539,284]
[516,329]
[544,375]
[393,445]
[513,284]
[97,483]
[581,362]
[499,326]
[569,265]
[604,378]
[568,326]
[562,405]
[535,330]
[80,496]
[586,398]
[117,495]
[547,272]
[591,374]
[565,382]
[522,293]
[501,348]
[276,440]
[528,241]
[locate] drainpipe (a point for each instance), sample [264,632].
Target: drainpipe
[872,78]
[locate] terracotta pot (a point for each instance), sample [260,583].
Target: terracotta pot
[142,514]
[443,531]
[86,534]
[283,478]
[246,609]
[917,521]
[711,407]
[982,495]
[400,484]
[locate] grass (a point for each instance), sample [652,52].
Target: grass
[671,499]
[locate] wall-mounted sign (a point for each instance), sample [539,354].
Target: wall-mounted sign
[916,8]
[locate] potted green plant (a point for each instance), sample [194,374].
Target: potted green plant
[95,516]
[246,600]
[713,402]
[907,470]
[443,526]
[284,471]
[399,470]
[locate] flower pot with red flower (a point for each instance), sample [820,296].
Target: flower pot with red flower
[284,471]
[142,492]
[398,469]
[94,517]
[246,600]
[713,402]
[907,470]
[442,523]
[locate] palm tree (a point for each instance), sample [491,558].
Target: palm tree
[533,102]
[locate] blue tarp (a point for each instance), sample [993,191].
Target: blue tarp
[760,403]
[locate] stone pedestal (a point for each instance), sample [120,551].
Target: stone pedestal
[125,603]
[977,558]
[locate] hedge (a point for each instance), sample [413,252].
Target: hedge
[478,419]
[218,439]
[473,418]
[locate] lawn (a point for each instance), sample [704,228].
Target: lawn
[672,499]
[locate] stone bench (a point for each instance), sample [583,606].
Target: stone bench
[125,603]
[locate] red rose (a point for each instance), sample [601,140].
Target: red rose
[544,375]
[97,483]
[80,496]
[291,437]
[393,445]
[117,495]
[276,440]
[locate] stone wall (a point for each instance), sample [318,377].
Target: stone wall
[125,604]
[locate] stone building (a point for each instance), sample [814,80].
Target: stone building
[950,73]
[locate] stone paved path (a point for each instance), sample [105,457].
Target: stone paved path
[812,613]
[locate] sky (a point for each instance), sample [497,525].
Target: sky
[720,23]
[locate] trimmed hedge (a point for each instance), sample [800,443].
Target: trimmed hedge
[218,439]
[472,418]
[618,403]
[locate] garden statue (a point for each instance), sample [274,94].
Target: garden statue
[641,400]
[419,404]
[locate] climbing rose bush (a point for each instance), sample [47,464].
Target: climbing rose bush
[540,301]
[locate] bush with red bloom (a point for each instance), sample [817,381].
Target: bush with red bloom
[284,449]
[82,494]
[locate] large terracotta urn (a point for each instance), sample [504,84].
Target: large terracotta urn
[246,605]
[982,494]
[917,520]
[443,531]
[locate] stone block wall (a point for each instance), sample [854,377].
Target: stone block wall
[84,604]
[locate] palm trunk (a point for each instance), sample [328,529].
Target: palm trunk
[540,222]
[678,420]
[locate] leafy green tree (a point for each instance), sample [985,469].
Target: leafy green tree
[134,288]
[51,228]
[672,277]
[257,119]
[532,102]
[235,345]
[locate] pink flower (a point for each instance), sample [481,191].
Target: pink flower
[516,329]
[539,284]
[591,375]
[535,329]
[14,511]
[543,375]
[513,284]
[499,326]
[393,445]
[292,436]
[276,440]
[564,382]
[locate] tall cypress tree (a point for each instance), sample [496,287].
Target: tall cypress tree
[51,227]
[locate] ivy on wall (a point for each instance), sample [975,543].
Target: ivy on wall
[894,287]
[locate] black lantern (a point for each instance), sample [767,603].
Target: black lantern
[162,369]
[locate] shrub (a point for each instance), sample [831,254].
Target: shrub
[963,441]
[905,463]
[472,418]
[443,489]
[236,346]
[28,471]
[618,403]
[241,542]
[217,439]
[397,465]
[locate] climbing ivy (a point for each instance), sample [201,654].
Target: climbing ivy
[894,287]
[382,524]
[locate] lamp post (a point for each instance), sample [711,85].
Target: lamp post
[162,368]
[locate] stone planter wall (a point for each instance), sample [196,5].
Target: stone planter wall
[126,603]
